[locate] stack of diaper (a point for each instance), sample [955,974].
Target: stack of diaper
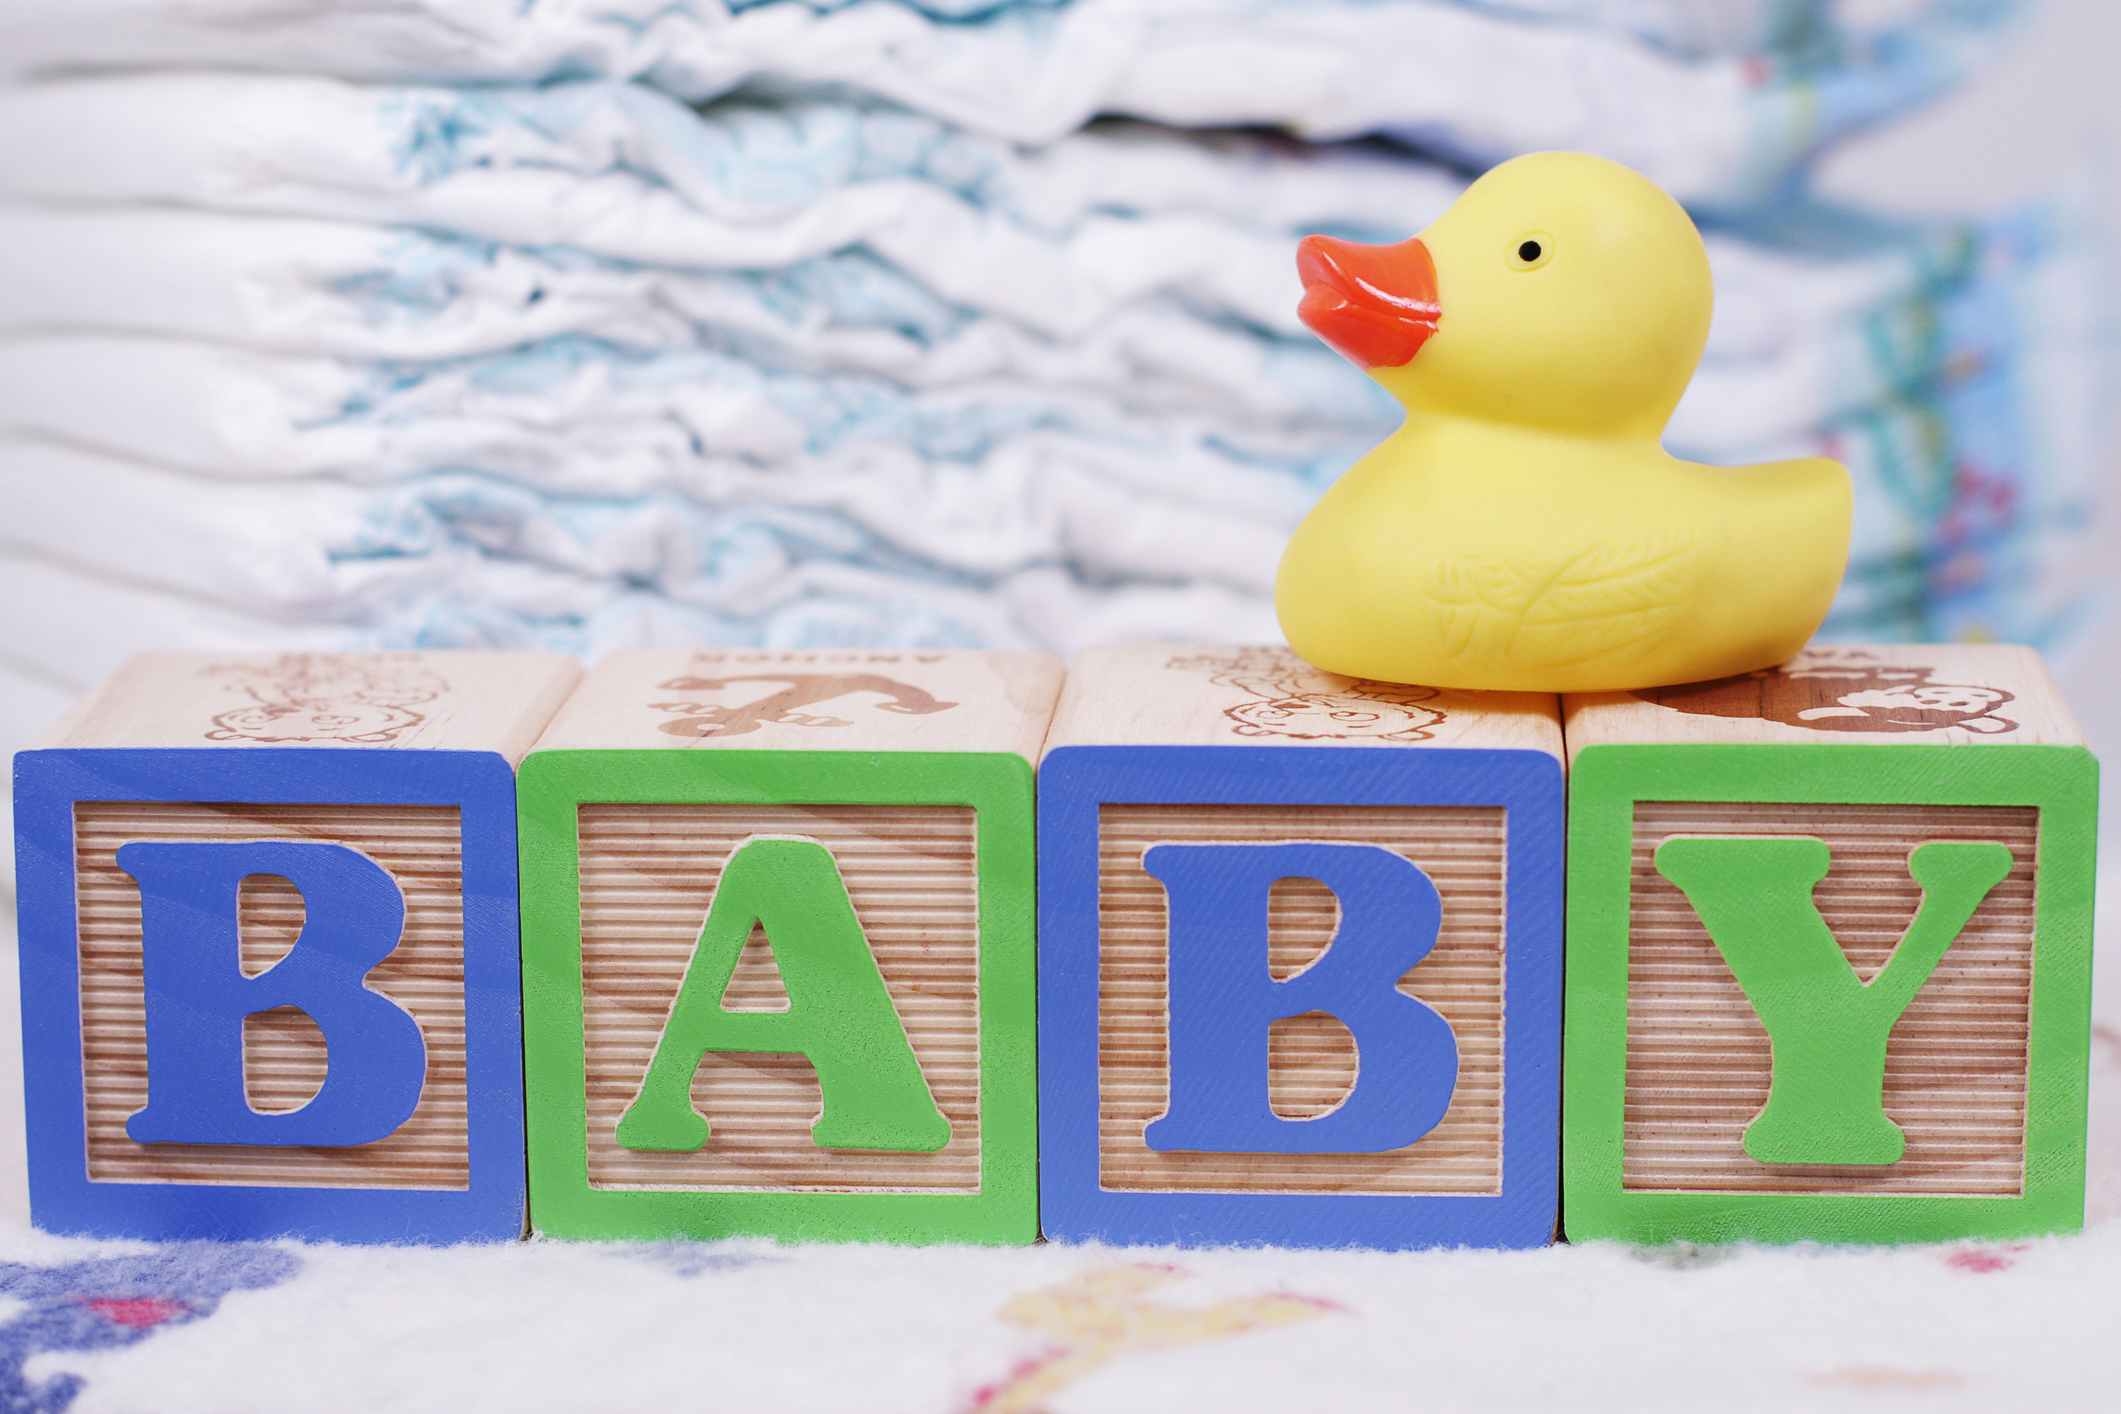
[808,322]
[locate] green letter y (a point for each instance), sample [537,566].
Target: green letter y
[1827,1028]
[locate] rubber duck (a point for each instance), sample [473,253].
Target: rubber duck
[1525,529]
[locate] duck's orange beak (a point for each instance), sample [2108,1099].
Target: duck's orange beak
[1374,304]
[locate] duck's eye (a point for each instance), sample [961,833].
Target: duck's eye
[1530,252]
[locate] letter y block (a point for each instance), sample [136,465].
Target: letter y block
[1299,957]
[778,914]
[1830,953]
[270,980]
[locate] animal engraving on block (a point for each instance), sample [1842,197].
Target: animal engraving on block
[299,698]
[1847,691]
[703,718]
[1291,698]
[814,657]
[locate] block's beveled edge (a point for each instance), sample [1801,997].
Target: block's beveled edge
[1606,784]
[1074,781]
[997,786]
[48,783]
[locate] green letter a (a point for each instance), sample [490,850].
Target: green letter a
[839,1013]
[1827,1028]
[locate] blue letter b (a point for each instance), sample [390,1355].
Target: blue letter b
[1223,999]
[198,997]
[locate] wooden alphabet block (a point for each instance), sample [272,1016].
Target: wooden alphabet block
[1299,957]
[778,947]
[1830,953]
[270,976]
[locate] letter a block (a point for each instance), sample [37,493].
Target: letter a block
[270,980]
[778,947]
[1829,968]
[1299,957]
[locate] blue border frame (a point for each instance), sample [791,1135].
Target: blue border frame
[63,1199]
[1075,781]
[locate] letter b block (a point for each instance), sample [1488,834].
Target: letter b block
[1830,953]
[1299,957]
[269,958]
[778,914]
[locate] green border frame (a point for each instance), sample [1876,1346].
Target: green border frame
[1607,782]
[552,787]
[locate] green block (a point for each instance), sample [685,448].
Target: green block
[791,839]
[1702,899]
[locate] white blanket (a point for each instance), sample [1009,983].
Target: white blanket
[1471,83]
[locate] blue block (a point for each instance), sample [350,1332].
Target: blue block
[1220,998]
[197,997]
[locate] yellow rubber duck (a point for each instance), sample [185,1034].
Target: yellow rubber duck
[1524,529]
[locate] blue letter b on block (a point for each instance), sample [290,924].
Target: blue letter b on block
[198,995]
[1223,999]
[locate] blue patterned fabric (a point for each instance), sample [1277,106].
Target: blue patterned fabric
[109,1303]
